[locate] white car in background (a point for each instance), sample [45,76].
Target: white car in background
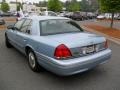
[48,13]
[61,14]
[108,16]
[101,17]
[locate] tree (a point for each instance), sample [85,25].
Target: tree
[85,6]
[19,5]
[5,7]
[73,6]
[89,5]
[54,5]
[94,6]
[110,6]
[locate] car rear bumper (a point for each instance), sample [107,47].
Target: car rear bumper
[73,66]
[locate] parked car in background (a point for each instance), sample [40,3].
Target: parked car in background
[2,21]
[48,13]
[101,17]
[32,14]
[63,13]
[91,15]
[108,16]
[46,41]
[84,15]
[80,15]
[76,16]
[6,14]
[68,14]
[118,18]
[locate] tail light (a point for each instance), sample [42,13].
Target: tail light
[106,44]
[62,52]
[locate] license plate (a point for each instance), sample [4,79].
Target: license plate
[90,49]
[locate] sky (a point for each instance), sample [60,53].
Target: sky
[33,0]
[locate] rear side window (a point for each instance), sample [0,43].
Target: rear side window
[26,26]
[19,24]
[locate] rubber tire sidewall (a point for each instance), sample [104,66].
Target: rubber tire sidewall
[37,67]
[8,45]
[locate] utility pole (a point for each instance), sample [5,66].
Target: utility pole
[16,6]
[22,4]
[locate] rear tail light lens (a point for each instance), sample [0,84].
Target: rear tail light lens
[62,52]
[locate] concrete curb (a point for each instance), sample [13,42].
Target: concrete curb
[115,40]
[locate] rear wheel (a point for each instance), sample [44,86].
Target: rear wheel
[32,61]
[8,45]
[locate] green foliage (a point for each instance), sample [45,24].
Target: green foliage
[109,5]
[85,6]
[89,5]
[5,7]
[54,5]
[94,6]
[73,6]
[19,5]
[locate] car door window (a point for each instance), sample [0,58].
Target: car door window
[26,26]
[19,24]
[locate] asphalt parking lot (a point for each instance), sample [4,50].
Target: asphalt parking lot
[16,75]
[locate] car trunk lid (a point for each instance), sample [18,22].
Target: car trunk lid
[74,41]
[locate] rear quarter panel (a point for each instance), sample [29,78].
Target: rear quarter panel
[41,46]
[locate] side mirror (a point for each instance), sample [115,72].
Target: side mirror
[10,27]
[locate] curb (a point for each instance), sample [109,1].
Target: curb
[115,40]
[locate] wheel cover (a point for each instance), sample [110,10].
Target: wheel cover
[32,61]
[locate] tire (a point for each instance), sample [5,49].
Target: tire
[32,61]
[7,43]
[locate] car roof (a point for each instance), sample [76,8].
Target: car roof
[39,18]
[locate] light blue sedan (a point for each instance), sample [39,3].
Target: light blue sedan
[58,44]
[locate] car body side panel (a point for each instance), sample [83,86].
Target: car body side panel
[11,34]
[22,40]
[41,47]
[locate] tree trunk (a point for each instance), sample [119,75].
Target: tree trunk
[112,20]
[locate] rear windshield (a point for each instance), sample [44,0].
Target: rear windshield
[51,27]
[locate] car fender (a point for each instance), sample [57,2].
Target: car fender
[31,47]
